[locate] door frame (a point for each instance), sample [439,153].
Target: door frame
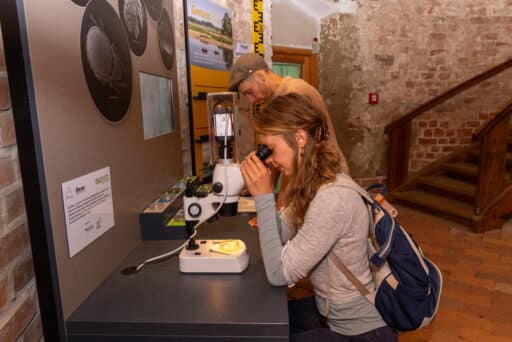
[306,57]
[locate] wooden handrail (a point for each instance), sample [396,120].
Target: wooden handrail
[399,131]
[504,114]
[491,165]
[448,94]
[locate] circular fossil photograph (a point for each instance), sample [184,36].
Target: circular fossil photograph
[133,16]
[166,40]
[80,2]
[154,8]
[106,59]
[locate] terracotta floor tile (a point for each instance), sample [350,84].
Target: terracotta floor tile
[503,330]
[506,260]
[487,273]
[504,288]
[493,338]
[502,302]
[483,254]
[497,243]
[441,336]
[477,282]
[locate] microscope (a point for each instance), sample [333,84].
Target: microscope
[217,256]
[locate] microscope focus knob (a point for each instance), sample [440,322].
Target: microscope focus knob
[217,187]
[194,210]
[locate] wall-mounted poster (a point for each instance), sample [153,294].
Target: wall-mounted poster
[210,35]
[154,8]
[133,16]
[80,2]
[106,59]
[166,39]
[157,105]
[210,55]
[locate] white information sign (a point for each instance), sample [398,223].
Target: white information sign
[88,208]
[242,49]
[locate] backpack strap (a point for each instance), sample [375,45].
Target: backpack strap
[380,256]
[348,182]
[350,276]
[382,186]
[383,250]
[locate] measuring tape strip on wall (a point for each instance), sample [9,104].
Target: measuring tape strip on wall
[257,27]
[257,33]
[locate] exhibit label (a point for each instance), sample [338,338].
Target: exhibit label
[88,208]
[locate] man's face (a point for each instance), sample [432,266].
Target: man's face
[254,88]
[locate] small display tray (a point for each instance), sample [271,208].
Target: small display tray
[155,218]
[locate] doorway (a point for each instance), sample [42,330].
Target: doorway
[298,63]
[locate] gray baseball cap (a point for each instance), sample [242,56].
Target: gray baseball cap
[244,66]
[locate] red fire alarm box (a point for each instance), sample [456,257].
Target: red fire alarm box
[373,98]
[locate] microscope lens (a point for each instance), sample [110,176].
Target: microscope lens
[263,152]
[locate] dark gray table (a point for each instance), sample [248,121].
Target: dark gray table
[162,304]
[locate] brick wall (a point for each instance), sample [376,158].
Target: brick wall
[450,126]
[409,53]
[19,314]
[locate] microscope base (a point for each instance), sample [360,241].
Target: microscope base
[215,256]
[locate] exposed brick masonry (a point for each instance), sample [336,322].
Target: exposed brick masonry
[19,314]
[410,53]
[450,126]
[437,138]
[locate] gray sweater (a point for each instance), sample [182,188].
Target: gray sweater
[336,219]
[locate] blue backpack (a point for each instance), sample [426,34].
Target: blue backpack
[408,285]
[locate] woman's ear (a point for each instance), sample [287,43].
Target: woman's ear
[301,137]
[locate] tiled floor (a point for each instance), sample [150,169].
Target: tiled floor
[476,303]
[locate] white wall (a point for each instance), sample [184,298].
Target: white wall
[296,22]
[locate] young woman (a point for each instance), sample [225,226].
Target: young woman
[319,216]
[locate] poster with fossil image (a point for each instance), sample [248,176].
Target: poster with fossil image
[166,40]
[106,59]
[80,2]
[133,17]
[154,8]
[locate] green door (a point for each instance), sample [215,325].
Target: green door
[287,69]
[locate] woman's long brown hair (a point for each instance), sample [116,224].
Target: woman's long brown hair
[320,161]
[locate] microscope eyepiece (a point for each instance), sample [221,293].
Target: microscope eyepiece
[263,152]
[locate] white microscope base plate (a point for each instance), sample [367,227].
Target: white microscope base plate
[206,260]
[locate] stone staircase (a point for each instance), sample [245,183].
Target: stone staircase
[449,190]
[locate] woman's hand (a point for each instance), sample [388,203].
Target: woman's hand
[256,175]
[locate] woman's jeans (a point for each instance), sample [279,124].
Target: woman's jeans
[307,325]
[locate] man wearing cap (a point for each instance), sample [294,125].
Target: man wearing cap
[252,78]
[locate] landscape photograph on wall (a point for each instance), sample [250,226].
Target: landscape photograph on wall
[210,35]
